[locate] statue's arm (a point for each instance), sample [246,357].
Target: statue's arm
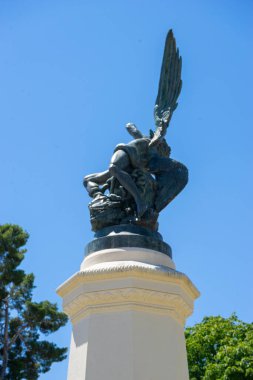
[133,131]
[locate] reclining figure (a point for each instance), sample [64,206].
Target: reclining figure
[142,179]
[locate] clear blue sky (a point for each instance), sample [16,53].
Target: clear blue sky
[72,73]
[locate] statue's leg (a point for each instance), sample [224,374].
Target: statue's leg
[171,177]
[92,181]
[119,164]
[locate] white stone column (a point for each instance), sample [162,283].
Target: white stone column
[128,308]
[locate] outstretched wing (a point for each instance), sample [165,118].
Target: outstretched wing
[170,85]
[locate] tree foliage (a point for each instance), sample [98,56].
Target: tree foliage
[23,323]
[220,349]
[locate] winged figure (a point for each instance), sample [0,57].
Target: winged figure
[142,179]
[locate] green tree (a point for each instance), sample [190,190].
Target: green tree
[220,349]
[23,323]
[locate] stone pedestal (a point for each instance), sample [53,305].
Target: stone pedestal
[128,307]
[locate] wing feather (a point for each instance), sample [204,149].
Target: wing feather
[169,89]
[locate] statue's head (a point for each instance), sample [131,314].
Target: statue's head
[163,148]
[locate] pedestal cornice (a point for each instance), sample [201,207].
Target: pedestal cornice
[109,287]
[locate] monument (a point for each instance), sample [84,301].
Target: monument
[128,304]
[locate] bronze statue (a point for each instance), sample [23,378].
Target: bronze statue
[142,179]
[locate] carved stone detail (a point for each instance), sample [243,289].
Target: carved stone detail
[128,299]
[108,287]
[125,269]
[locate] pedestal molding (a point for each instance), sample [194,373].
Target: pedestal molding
[127,254]
[125,299]
[126,269]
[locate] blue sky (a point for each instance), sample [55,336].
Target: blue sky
[72,74]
